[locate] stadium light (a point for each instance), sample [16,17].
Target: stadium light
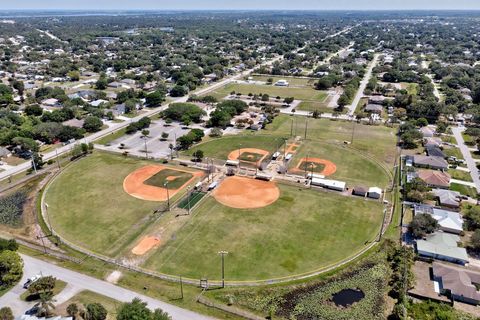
[223,253]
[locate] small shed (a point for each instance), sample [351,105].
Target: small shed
[360,191]
[374,193]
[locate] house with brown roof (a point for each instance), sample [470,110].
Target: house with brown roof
[460,283]
[434,178]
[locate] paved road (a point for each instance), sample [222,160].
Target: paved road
[363,85]
[78,282]
[471,164]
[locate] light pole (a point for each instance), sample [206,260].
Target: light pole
[168,195]
[58,163]
[33,163]
[223,253]
[189,193]
[48,217]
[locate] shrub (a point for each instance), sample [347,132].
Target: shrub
[11,208]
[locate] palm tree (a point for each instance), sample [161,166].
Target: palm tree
[46,305]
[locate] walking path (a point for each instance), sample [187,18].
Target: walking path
[363,85]
[471,164]
[78,282]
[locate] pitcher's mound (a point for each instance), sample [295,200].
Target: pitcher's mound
[246,193]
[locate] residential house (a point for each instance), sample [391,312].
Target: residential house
[432,142]
[52,102]
[98,102]
[374,108]
[435,152]
[448,198]
[459,283]
[4,152]
[442,246]
[426,132]
[376,100]
[437,163]
[434,179]
[449,221]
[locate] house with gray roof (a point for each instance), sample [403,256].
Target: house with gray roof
[373,108]
[437,163]
[448,221]
[459,283]
[4,152]
[434,151]
[442,246]
[448,198]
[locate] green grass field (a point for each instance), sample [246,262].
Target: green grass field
[299,93]
[302,231]
[300,82]
[352,167]
[378,142]
[192,200]
[88,206]
[219,148]
[177,178]
[460,175]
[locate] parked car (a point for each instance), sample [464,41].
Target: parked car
[31,280]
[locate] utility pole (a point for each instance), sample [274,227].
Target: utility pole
[223,253]
[58,162]
[168,195]
[306,127]
[181,287]
[146,152]
[189,193]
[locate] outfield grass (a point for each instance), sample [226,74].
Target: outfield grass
[159,179]
[221,147]
[304,230]
[88,206]
[352,167]
[376,141]
[303,93]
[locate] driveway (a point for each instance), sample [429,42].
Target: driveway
[471,164]
[78,282]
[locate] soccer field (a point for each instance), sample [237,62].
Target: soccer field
[302,231]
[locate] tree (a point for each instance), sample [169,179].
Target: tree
[6,96]
[46,305]
[102,83]
[216,132]
[73,75]
[422,122]
[95,311]
[33,110]
[19,86]
[186,120]
[10,244]
[145,133]
[136,309]
[37,161]
[6,314]
[198,155]
[165,136]
[289,100]
[72,310]
[178,91]
[92,124]
[11,268]
[154,99]
[159,314]
[423,224]
[42,285]
[25,144]
[265,97]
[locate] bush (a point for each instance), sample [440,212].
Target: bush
[11,208]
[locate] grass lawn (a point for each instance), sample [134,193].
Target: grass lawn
[376,141]
[300,82]
[475,154]
[412,88]
[178,178]
[86,297]
[88,206]
[449,139]
[453,152]
[465,190]
[304,230]
[111,137]
[316,106]
[468,139]
[220,148]
[352,167]
[304,93]
[460,175]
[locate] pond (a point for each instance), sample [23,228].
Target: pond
[347,297]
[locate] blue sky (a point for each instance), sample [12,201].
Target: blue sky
[240,4]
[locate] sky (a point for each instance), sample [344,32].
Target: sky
[240,4]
